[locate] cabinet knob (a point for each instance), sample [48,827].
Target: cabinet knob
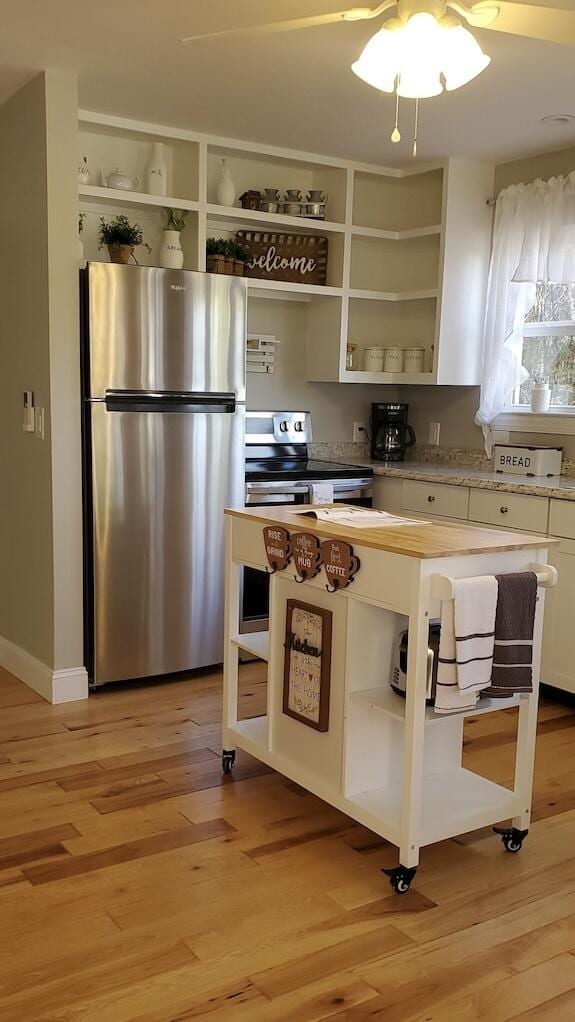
[431,499]
[504,510]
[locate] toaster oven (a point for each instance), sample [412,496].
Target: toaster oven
[399,667]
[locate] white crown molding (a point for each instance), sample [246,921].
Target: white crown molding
[61,686]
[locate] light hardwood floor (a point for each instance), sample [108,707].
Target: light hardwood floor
[138,884]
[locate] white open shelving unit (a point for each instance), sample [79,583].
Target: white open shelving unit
[408,248]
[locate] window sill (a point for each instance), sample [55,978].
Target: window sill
[523,420]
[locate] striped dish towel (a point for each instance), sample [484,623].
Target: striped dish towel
[466,644]
[514,621]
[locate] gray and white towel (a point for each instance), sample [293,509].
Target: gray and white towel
[466,644]
[514,621]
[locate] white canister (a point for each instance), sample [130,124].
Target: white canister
[373,360]
[393,360]
[171,254]
[540,397]
[414,360]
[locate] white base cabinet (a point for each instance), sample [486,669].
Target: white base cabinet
[509,512]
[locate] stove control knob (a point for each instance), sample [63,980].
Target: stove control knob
[298,426]
[284,426]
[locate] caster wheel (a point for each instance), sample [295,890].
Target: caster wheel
[228,760]
[511,838]
[400,878]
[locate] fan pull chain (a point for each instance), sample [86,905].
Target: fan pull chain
[414,153]
[396,134]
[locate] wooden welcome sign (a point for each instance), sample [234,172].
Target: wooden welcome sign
[340,563]
[278,547]
[299,258]
[306,555]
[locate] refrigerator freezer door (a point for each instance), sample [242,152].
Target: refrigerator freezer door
[165,330]
[160,482]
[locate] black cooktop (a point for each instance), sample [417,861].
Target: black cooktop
[299,468]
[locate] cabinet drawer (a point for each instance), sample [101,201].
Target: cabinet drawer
[435,498]
[562,518]
[511,510]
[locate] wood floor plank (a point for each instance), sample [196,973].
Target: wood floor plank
[127,852]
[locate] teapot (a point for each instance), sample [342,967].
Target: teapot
[122,181]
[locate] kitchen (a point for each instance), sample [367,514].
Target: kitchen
[408,251]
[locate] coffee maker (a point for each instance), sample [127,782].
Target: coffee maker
[391,433]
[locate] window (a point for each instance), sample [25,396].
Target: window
[549,346]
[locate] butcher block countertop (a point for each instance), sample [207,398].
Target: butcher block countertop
[422,541]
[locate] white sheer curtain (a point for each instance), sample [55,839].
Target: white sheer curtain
[534,240]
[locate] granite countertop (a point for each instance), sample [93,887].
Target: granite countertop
[561,487]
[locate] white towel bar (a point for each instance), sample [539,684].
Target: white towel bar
[442,585]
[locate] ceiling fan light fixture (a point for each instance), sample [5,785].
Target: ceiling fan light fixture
[415,54]
[463,58]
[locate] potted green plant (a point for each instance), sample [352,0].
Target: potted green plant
[171,253]
[241,256]
[121,237]
[216,255]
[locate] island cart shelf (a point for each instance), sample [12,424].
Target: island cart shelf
[389,762]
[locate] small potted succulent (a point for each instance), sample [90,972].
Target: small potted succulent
[171,254]
[121,237]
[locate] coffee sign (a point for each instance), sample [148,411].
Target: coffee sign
[340,563]
[278,547]
[306,555]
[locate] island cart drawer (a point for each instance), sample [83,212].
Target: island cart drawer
[512,510]
[435,498]
[562,518]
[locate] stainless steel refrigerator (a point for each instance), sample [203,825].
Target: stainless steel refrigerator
[164,399]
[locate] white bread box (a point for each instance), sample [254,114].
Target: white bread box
[528,461]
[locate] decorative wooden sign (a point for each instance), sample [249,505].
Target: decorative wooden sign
[301,258]
[307,664]
[340,563]
[278,547]
[306,555]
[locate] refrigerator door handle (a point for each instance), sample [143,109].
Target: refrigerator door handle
[168,401]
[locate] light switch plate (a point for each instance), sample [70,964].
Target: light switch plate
[28,416]
[434,429]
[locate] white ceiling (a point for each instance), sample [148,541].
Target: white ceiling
[293,89]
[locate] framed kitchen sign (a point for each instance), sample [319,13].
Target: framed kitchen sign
[298,258]
[307,664]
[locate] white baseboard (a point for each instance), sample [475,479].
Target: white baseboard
[61,686]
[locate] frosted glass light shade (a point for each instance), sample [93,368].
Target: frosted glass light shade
[416,54]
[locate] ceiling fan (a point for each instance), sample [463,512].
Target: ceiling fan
[424,46]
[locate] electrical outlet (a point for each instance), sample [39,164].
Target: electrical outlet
[434,428]
[359,432]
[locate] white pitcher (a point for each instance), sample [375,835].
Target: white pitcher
[171,253]
[157,171]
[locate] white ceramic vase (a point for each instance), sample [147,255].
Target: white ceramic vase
[226,193]
[540,397]
[157,171]
[84,172]
[171,254]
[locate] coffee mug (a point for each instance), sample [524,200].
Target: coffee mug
[340,563]
[278,547]
[307,556]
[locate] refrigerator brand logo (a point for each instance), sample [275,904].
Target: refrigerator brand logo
[177,287]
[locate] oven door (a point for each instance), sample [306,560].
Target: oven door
[255,590]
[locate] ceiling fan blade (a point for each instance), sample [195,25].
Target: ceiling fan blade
[353,14]
[551,24]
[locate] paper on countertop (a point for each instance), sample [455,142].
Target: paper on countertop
[321,493]
[359,517]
